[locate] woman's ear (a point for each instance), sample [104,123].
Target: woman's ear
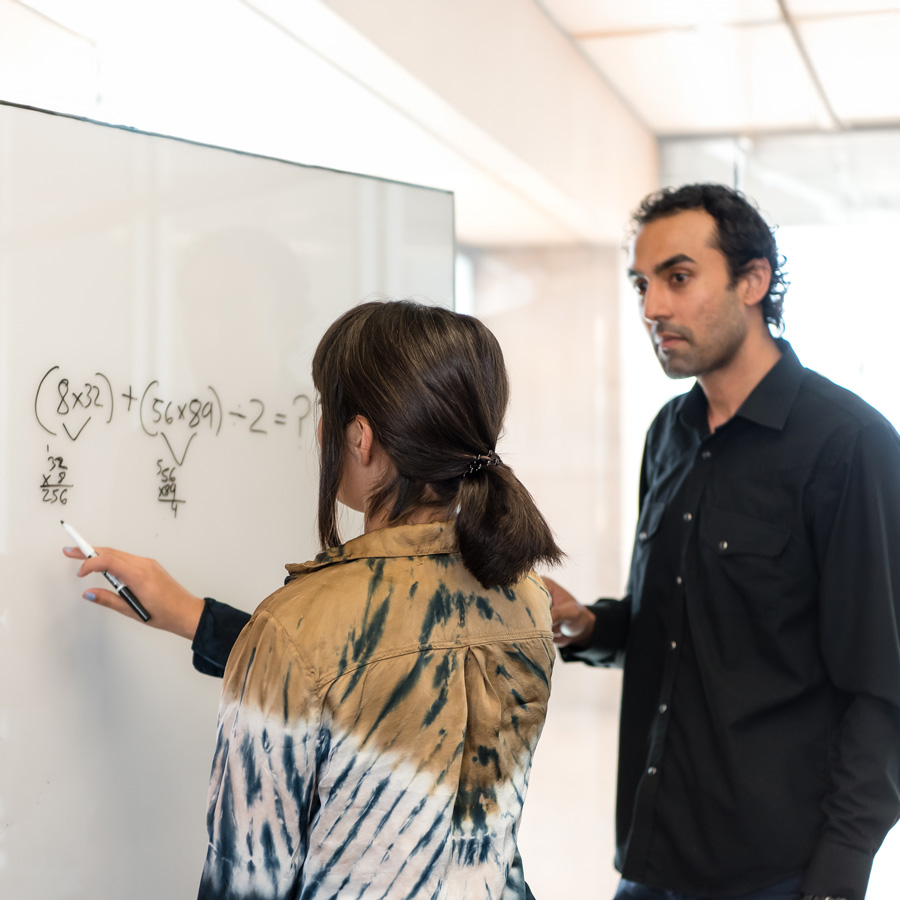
[360,439]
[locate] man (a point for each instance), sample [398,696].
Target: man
[760,726]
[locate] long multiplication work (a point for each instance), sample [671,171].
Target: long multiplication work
[68,408]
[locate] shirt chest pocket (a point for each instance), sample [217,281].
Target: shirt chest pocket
[728,535]
[744,560]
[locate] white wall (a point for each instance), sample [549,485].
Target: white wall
[521,82]
[556,314]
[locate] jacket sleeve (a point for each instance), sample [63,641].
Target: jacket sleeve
[859,609]
[263,779]
[216,633]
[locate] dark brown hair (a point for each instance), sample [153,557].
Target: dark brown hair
[433,386]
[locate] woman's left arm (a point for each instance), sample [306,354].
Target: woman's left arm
[263,777]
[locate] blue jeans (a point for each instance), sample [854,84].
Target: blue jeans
[631,890]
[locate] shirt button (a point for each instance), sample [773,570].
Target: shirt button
[723,546]
[687,517]
[706,454]
[652,770]
[673,645]
[679,580]
[663,707]
[642,536]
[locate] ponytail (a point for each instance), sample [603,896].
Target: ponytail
[500,532]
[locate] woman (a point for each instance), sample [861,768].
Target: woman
[380,712]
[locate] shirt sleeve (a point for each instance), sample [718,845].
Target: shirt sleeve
[607,644]
[263,778]
[860,646]
[216,633]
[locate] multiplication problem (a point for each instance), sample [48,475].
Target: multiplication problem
[167,489]
[55,483]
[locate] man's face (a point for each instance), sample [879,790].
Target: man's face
[697,322]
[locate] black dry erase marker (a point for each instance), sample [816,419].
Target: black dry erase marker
[121,589]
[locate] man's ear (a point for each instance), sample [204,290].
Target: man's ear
[755,280]
[360,439]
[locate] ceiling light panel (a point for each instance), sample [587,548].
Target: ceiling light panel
[592,17]
[857,63]
[717,79]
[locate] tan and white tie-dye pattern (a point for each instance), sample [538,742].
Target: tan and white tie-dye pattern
[378,721]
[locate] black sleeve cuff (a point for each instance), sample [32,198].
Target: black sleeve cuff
[838,871]
[607,645]
[216,633]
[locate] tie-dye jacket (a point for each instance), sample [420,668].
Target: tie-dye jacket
[378,720]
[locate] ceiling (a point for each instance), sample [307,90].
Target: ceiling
[743,67]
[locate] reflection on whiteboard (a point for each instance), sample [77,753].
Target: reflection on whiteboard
[160,302]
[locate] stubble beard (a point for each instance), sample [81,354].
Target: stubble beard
[688,360]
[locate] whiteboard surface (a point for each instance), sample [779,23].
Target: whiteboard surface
[159,305]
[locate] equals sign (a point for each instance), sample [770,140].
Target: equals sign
[280,419]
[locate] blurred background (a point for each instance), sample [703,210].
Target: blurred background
[549,121]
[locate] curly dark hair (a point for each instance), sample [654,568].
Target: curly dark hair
[741,233]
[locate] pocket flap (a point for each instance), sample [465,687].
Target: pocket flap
[729,533]
[648,523]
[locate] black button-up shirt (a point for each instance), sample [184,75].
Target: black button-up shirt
[760,721]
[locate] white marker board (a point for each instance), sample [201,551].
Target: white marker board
[159,305]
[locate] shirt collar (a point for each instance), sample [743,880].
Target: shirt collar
[769,403]
[400,540]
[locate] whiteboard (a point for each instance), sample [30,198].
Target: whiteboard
[159,305]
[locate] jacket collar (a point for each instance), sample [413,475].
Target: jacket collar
[433,538]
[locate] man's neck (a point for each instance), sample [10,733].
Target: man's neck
[727,388]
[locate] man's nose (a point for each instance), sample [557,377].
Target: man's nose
[654,306]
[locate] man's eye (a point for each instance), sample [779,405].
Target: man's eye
[640,287]
[679,277]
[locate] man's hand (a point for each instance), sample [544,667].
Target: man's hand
[171,607]
[573,623]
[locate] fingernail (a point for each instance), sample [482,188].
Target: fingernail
[68,549]
[90,596]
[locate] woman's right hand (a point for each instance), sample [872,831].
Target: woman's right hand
[172,608]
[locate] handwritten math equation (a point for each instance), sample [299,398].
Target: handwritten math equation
[54,483]
[66,408]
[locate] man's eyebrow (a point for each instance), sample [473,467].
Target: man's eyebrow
[675,260]
[659,268]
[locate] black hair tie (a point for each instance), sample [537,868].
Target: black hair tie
[481,460]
